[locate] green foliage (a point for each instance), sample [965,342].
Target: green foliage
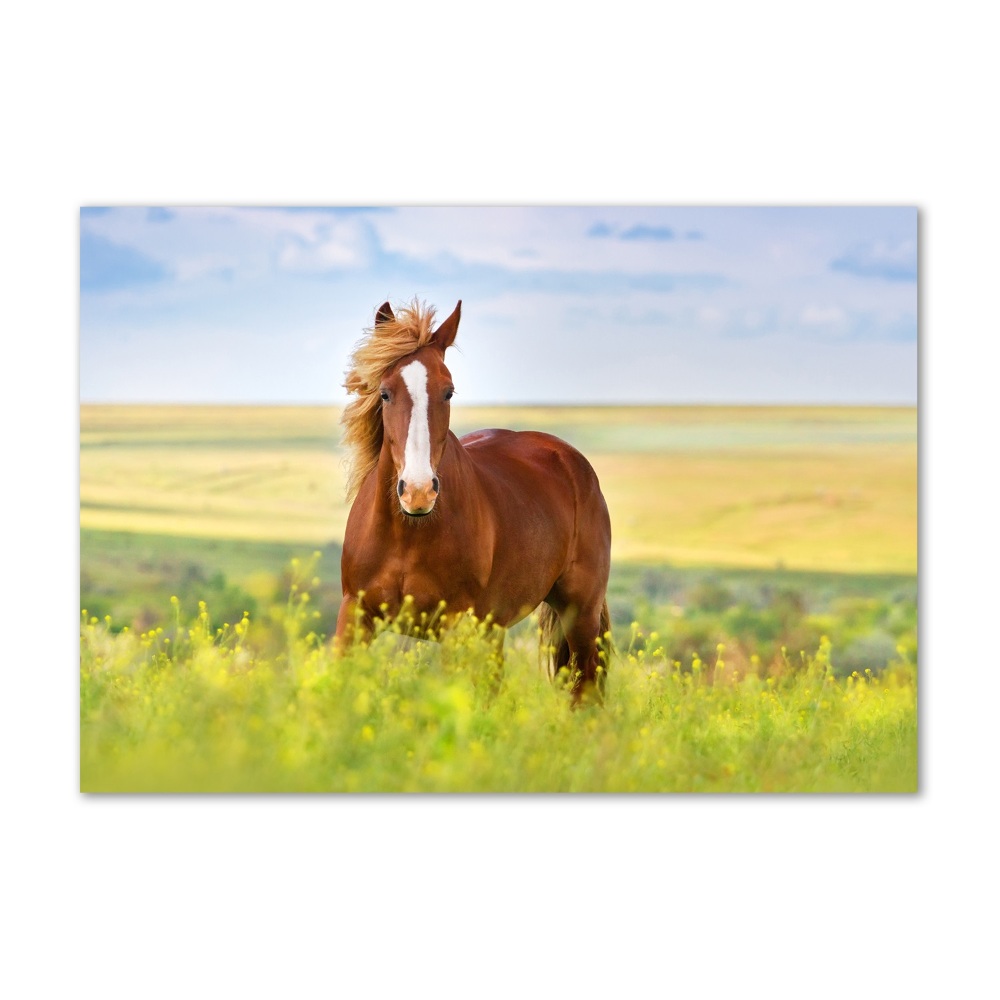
[132,577]
[196,704]
[870,621]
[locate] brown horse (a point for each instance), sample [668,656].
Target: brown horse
[495,523]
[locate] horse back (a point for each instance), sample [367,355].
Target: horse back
[531,455]
[531,474]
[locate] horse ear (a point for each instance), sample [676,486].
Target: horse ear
[444,335]
[384,314]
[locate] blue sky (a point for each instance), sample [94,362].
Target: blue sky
[568,305]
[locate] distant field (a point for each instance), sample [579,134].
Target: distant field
[805,488]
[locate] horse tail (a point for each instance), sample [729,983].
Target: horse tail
[553,648]
[605,647]
[604,638]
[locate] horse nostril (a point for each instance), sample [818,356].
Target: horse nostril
[435,485]
[400,487]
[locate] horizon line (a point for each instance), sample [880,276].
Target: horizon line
[518,405]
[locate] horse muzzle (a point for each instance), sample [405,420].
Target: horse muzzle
[417,499]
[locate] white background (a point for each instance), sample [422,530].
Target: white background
[764,103]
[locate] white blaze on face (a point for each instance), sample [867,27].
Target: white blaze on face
[417,454]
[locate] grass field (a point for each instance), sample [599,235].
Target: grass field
[804,488]
[787,536]
[195,707]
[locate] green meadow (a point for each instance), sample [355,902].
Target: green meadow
[763,598]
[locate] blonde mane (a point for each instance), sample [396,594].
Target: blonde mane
[382,346]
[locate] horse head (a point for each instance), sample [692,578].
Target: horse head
[416,410]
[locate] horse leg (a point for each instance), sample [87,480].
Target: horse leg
[578,648]
[588,673]
[353,624]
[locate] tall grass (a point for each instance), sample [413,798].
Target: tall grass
[196,706]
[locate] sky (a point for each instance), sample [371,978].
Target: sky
[587,305]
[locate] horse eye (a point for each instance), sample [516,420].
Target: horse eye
[449,394]
[384,395]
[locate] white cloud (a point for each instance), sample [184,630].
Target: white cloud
[895,260]
[334,245]
[814,315]
[189,268]
[530,239]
